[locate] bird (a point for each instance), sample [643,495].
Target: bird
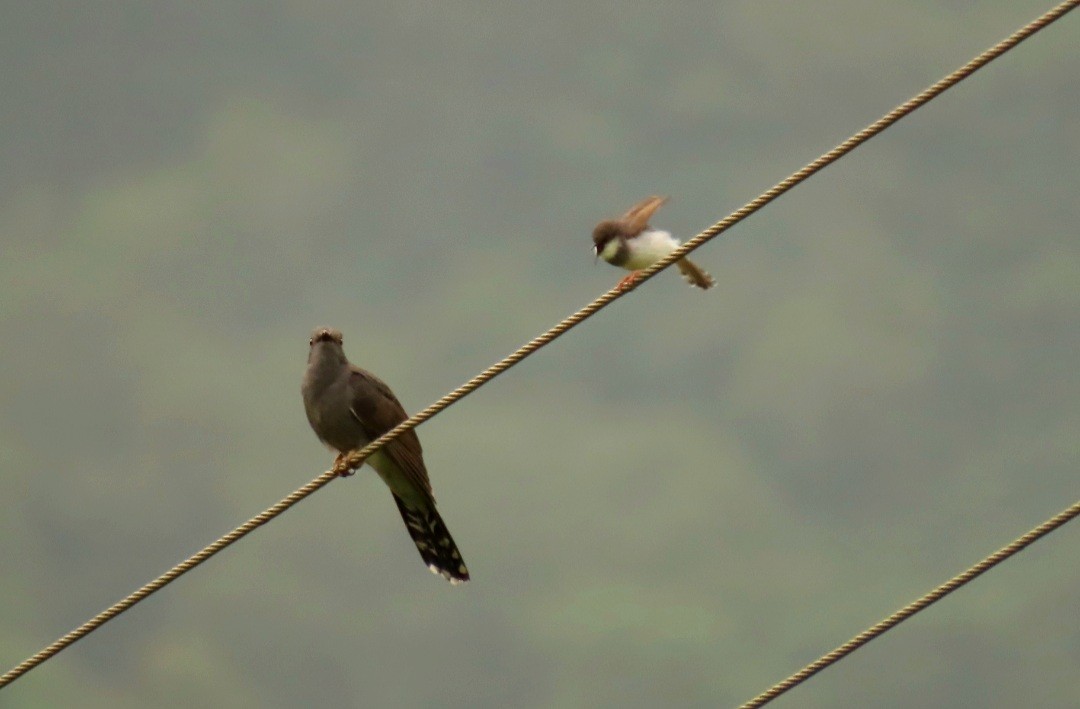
[629,242]
[349,407]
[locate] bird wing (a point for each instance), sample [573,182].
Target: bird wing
[377,411]
[637,219]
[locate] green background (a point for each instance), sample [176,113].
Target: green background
[677,504]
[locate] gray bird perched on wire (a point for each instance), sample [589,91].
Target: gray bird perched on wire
[348,408]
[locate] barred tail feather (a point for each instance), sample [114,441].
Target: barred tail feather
[694,274]
[433,541]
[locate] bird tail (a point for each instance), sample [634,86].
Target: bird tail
[693,273]
[433,541]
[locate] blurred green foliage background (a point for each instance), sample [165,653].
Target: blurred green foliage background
[678,504]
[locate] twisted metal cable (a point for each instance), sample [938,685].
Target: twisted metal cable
[356,458]
[166,578]
[912,608]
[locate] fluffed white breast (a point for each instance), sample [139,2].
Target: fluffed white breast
[648,247]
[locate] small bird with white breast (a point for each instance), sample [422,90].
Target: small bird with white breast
[629,242]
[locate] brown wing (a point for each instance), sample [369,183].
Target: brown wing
[377,410]
[639,215]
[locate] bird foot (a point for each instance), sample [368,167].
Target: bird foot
[339,466]
[628,281]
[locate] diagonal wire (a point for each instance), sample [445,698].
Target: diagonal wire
[911,609]
[356,458]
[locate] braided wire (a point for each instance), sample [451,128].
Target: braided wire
[166,578]
[356,458]
[912,608]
